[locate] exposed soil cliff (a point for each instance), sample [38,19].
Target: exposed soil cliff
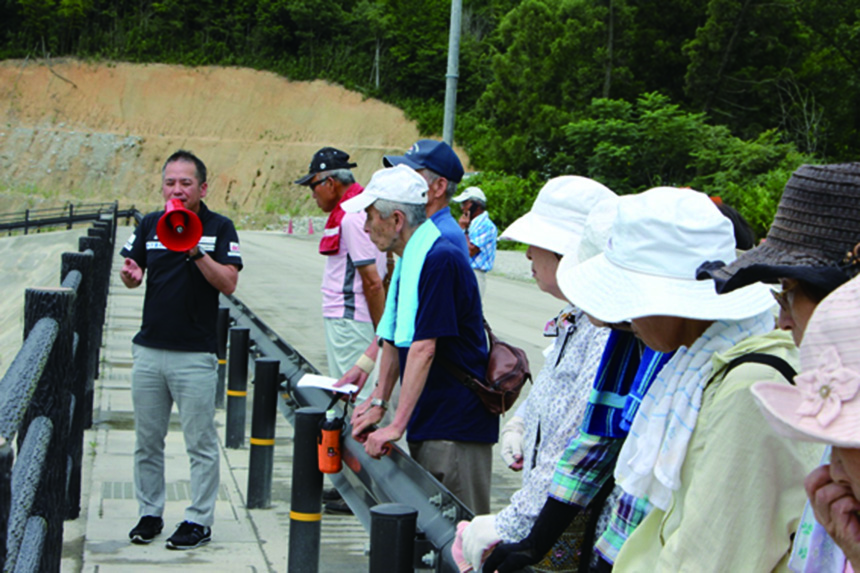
[77,131]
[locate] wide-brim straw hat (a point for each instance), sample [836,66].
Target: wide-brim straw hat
[824,406]
[816,226]
[648,267]
[557,218]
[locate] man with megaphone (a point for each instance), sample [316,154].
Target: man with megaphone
[191,255]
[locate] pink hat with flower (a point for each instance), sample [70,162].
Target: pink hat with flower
[824,406]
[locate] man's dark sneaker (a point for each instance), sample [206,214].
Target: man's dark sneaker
[338,507]
[330,494]
[189,535]
[146,529]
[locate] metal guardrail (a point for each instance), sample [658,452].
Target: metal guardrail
[67,216]
[364,482]
[46,399]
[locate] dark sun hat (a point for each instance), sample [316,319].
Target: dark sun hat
[815,236]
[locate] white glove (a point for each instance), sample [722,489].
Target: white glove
[512,442]
[479,536]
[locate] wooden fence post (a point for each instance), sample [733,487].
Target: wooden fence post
[79,265]
[52,400]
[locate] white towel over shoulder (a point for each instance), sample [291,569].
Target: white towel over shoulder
[650,460]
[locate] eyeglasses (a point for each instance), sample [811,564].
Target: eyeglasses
[313,185]
[781,295]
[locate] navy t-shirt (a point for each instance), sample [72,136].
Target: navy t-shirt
[180,308]
[450,229]
[449,310]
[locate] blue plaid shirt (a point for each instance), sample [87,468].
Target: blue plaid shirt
[483,233]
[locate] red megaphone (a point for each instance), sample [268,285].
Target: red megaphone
[178,229]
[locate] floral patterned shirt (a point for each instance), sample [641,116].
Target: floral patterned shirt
[552,414]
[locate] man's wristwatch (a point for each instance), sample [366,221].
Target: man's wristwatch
[379,402]
[198,256]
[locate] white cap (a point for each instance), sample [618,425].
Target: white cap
[557,217]
[471,193]
[400,184]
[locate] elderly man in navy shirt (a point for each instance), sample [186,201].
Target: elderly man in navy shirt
[433,309]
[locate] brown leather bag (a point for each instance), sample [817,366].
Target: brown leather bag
[507,372]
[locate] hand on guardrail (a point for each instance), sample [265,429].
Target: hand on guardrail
[478,539]
[364,417]
[378,443]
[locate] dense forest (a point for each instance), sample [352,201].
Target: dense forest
[725,96]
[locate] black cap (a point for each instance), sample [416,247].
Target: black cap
[326,159]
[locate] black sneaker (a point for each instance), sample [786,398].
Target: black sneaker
[146,529]
[338,507]
[331,494]
[189,535]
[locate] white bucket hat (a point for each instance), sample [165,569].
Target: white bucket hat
[824,406]
[473,193]
[400,184]
[595,235]
[557,217]
[648,268]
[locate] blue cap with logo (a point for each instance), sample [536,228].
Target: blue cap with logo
[437,156]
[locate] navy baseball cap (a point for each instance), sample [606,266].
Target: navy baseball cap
[326,159]
[437,156]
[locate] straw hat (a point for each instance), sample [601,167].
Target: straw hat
[817,224]
[824,406]
[557,218]
[648,267]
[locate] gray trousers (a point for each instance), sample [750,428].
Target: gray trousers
[159,378]
[465,468]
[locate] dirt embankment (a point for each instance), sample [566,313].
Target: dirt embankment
[86,132]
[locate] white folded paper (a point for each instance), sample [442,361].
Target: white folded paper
[326,383]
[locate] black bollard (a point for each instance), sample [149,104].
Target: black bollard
[263,433]
[306,494]
[221,352]
[392,538]
[237,387]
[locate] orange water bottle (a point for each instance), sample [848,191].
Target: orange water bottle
[328,444]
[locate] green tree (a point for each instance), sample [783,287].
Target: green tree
[632,147]
[551,59]
[737,59]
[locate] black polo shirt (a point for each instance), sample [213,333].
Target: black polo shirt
[180,307]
